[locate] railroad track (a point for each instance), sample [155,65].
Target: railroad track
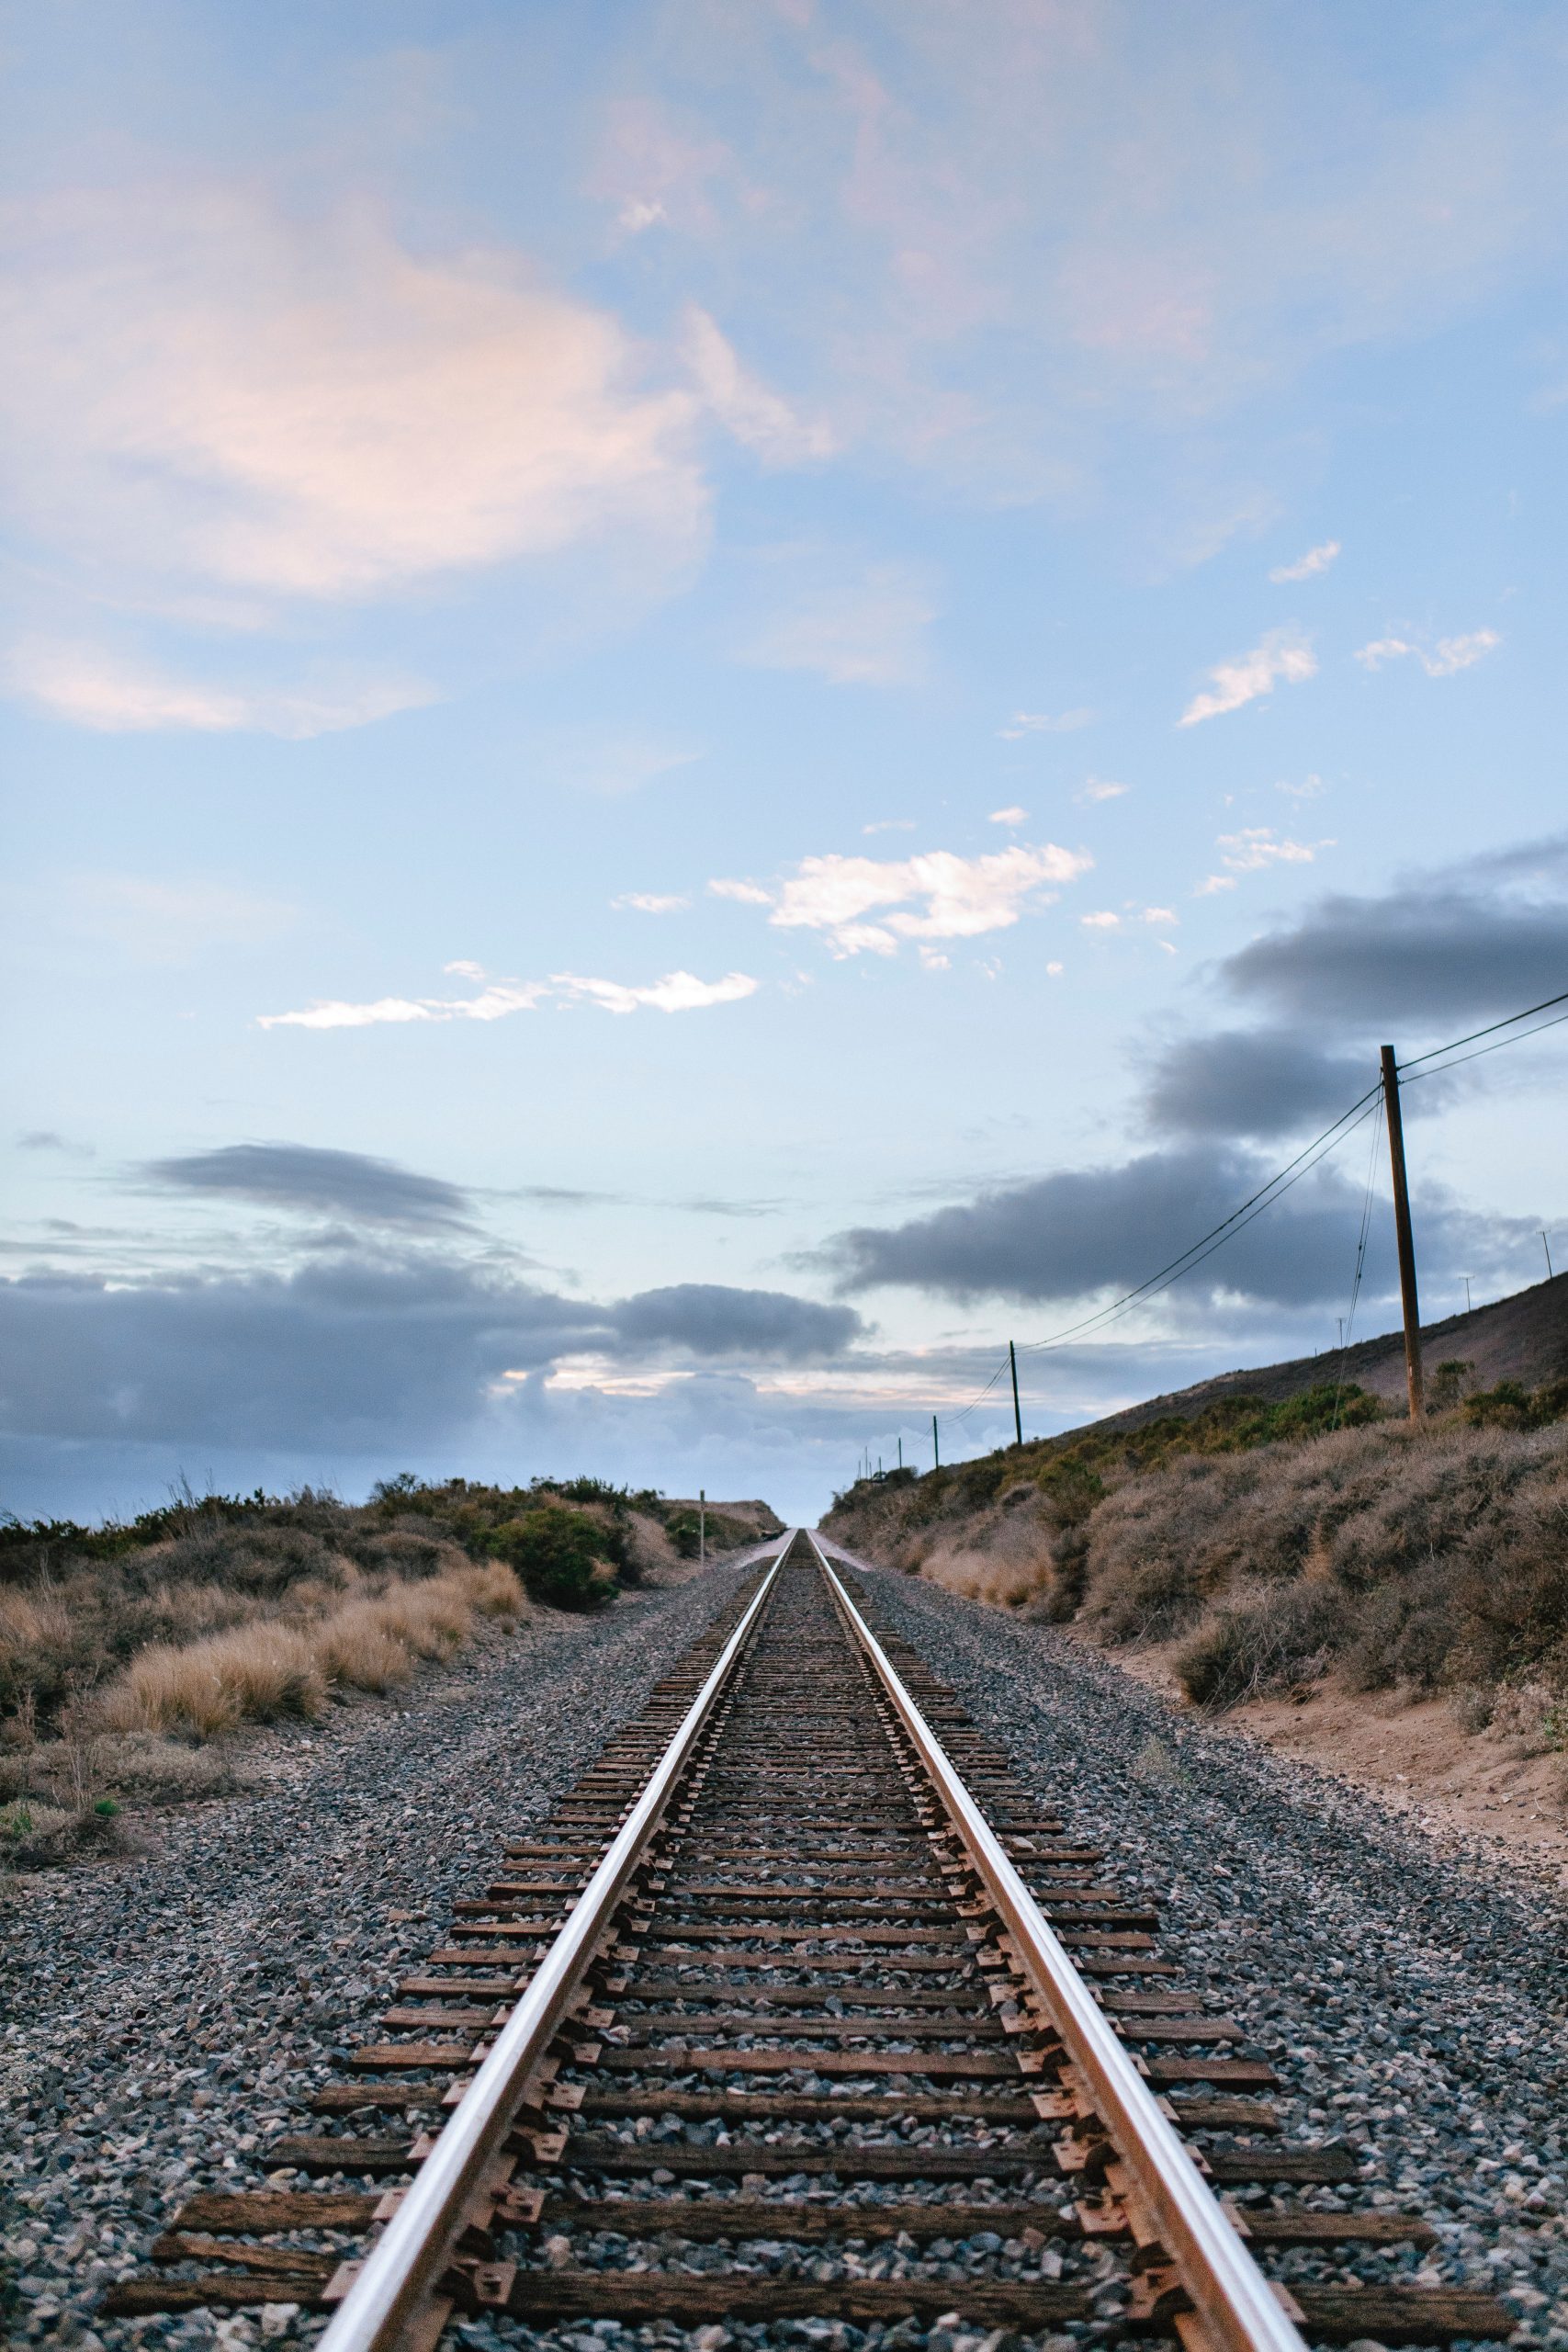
[800,2008]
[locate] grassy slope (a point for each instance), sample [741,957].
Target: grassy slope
[127,1654]
[1280,1542]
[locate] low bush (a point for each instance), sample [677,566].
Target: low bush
[1257,1642]
[562,1555]
[1274,1540]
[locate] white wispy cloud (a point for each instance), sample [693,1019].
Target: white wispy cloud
[1250,851]
[1280,654]
[934,895]
[1439,660]
[206,384]
[1008,817]
[650,902]
[1040,722]
[1099,788]
[676,992]
[748,894]
[1102,920]
[1159,914]
[890,825]
[1308,565]
[744,405]
[114,695]
[1308,789]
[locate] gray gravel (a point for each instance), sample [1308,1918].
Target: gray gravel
[165,2015]
[1414,2000]
[173,2011]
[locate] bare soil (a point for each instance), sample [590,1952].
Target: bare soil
[1412,1754]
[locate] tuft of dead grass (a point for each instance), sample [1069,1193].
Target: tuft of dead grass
[264,1670]
[255,1673]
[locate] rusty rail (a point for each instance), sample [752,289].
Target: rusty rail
[1232,2299]
[383,2307]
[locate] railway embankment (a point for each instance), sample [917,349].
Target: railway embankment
[1389,1597]
[136,1660]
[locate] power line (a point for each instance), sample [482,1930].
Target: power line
[1276,1187]
[1523,1039]
[1544,1006]
[1239,1218]
[1278,1184]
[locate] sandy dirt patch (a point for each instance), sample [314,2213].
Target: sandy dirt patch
[1414,1755]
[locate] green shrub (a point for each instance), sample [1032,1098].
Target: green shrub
[1506,1406]
[562,1555]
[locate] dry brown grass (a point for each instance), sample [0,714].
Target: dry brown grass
[269,1669]
[1432,1559]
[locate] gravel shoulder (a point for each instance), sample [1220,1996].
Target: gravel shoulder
[1411,1995]
[165,2014]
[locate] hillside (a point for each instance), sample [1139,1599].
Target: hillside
[1278,1529]
[1522,1337]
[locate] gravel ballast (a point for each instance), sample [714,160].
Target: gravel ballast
[1411,2000]
[165,2015]
[169,2015]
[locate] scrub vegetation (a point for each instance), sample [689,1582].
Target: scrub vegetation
[130,1654]
[1275,1543]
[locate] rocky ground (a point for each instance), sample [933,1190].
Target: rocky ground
[1414,1999]
[166,2013]
[169,2012]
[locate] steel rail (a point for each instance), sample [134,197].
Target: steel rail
[1233,2301]
[406,2262]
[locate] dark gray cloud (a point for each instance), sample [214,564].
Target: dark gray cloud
[1062,1237]
[1253,1083]
[1430,953]
[356,1352]
[335,1183]
[709,1319]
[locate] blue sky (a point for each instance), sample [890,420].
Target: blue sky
[706,706]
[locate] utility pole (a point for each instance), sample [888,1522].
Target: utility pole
[1547,1247]
[1465,1279]
[936,1456]
[1341,1320]
[1017,1419]
[900,1451]
[1403,1234]
[702,1527]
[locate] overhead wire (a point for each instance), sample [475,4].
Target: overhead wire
[1490,1031]
[1522,1039]
[1278,1185]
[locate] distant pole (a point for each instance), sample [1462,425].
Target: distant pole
[1341,1320]
[1547,1247]
[1402,1233]
[1465,1279]
[936,1457]
[901,1453]
[1017,1417]
[702,1527]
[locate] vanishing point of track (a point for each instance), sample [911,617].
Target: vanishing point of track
[795,1997]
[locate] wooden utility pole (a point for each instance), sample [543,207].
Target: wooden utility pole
[1017,1417]
[936,1457]
[1403,1234]
[702,1527]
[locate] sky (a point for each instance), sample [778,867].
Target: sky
[707,706]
